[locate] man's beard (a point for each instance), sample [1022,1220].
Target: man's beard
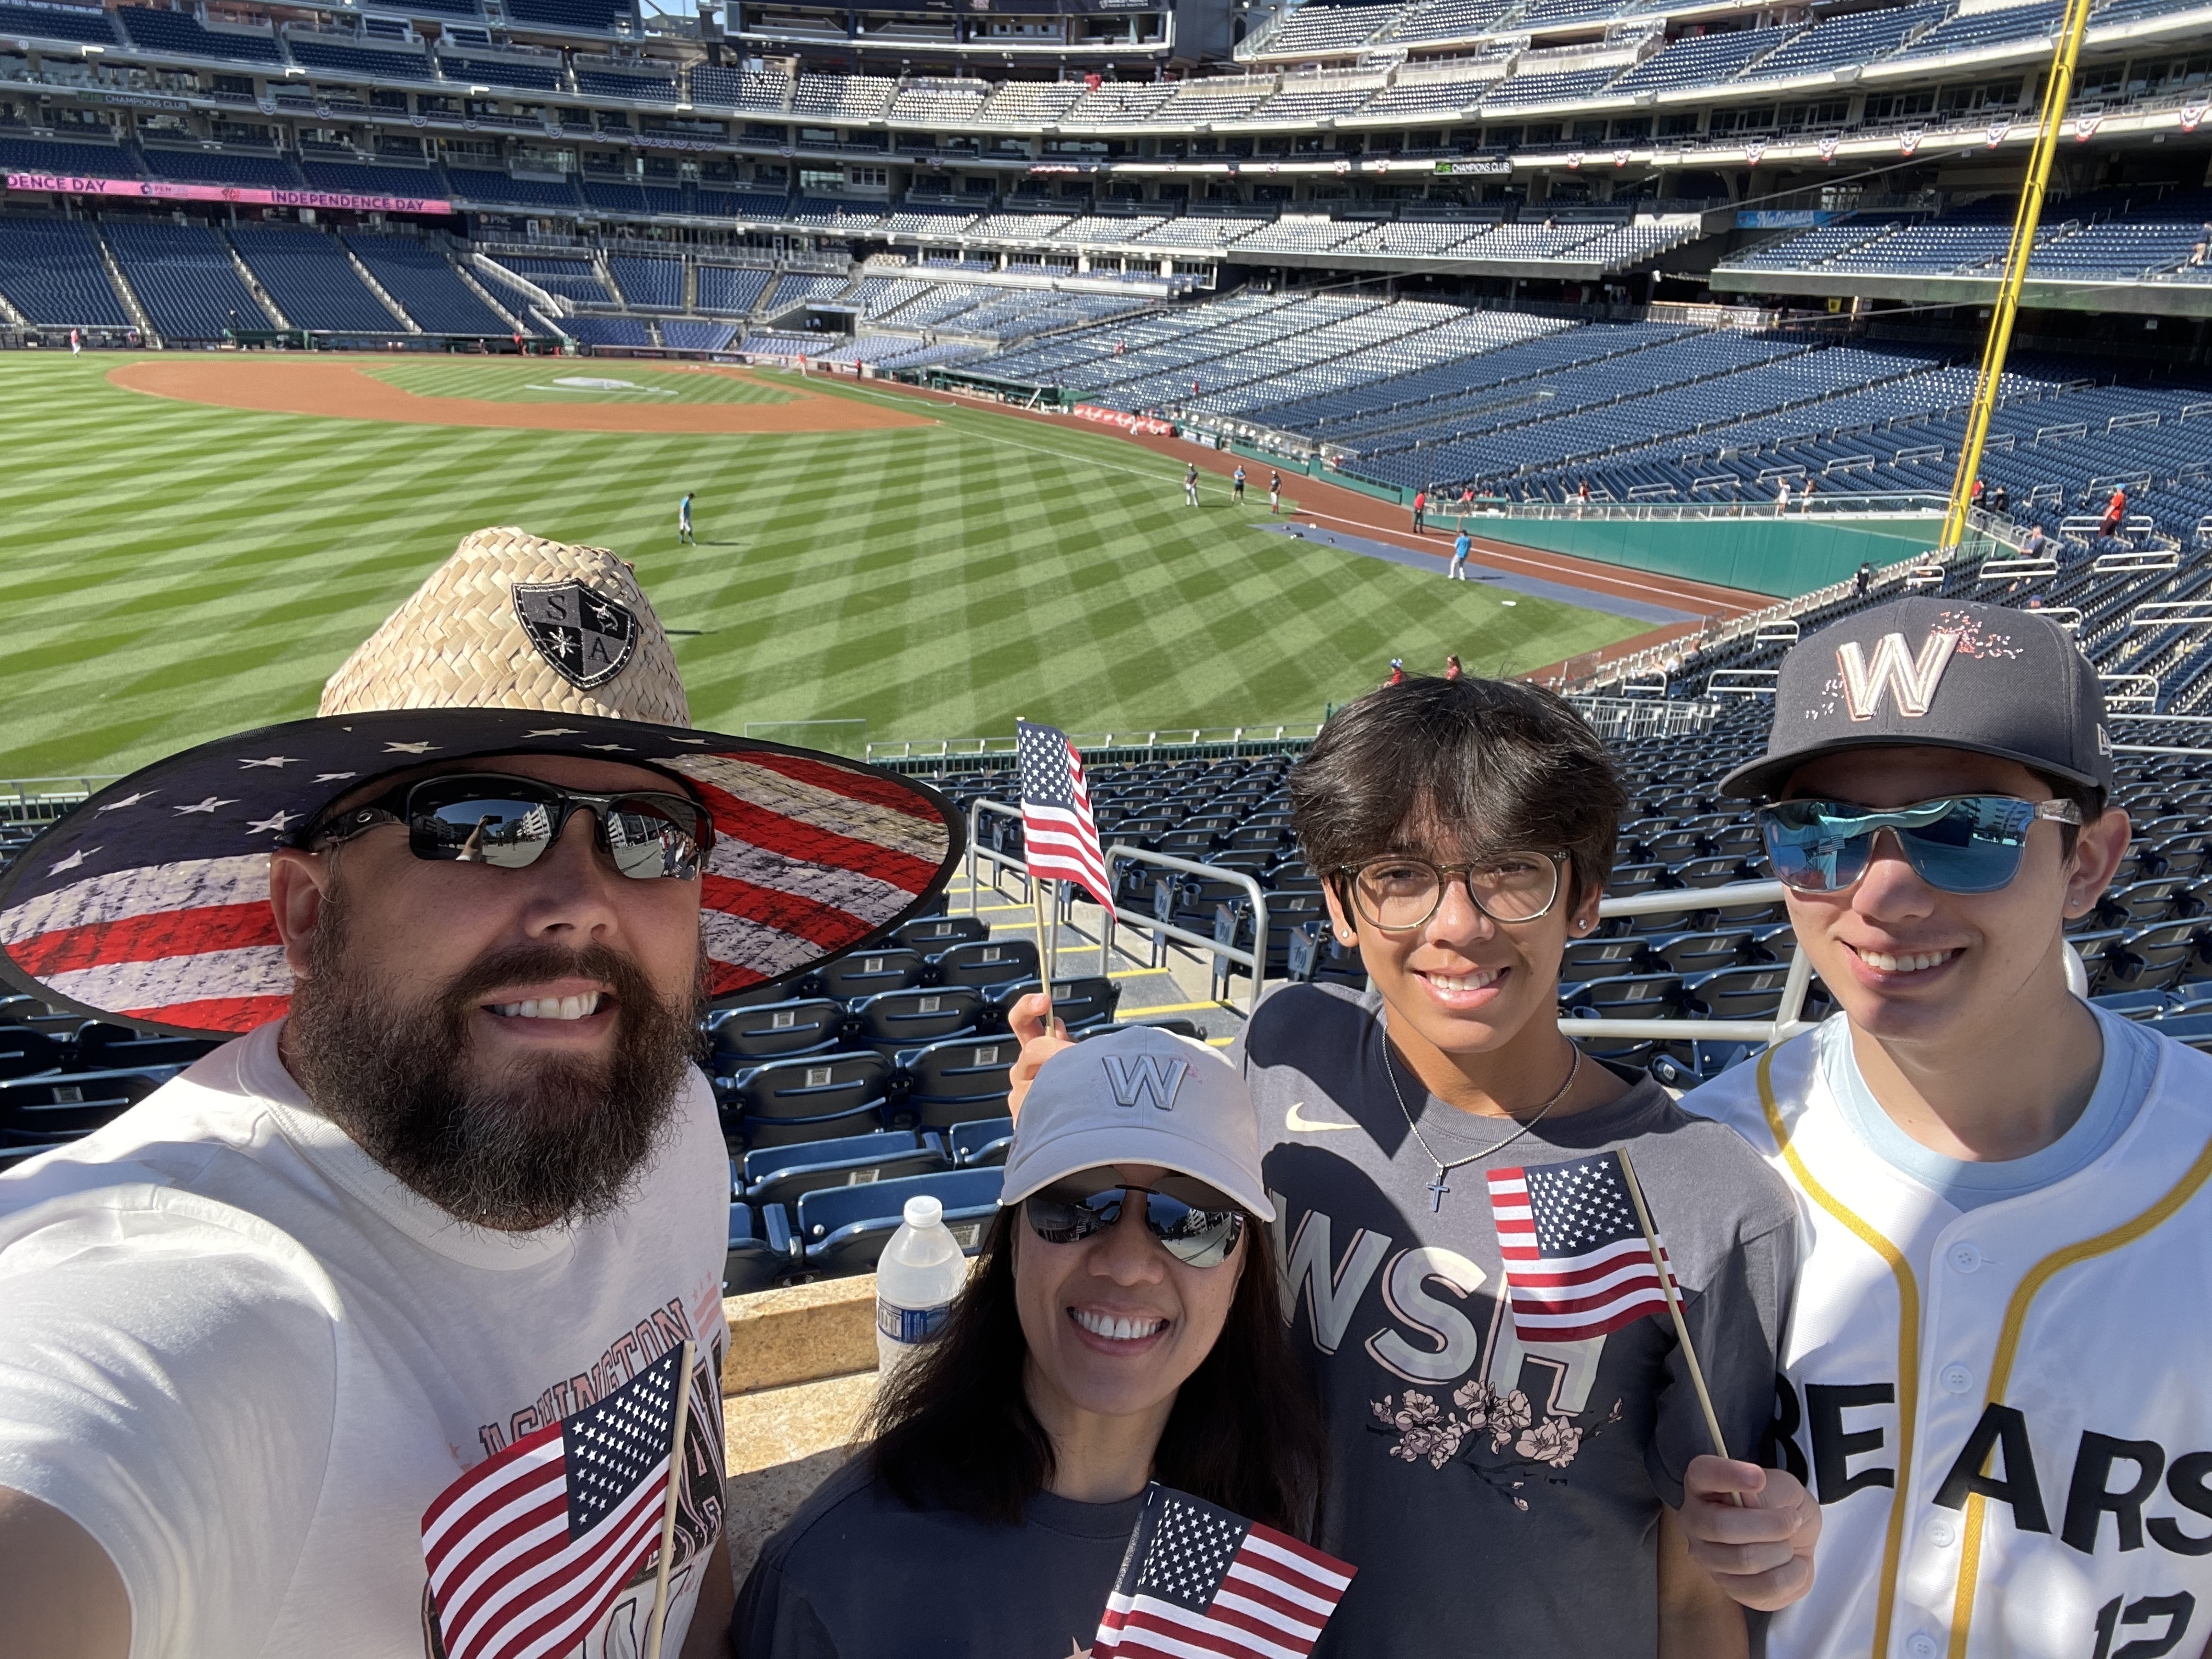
[558,1139]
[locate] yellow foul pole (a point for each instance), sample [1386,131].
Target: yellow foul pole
[2056,94]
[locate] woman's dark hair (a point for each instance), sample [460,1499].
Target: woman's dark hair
[1499,765]
[953,1426]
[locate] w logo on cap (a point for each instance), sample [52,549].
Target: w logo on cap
[1145,1080]
[1913,678]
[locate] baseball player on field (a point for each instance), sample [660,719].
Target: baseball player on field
[1997,1368]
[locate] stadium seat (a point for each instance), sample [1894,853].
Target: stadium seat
[771,1030]
[871,972]
[2155,958]
[844,1229]
[1697,953]
[981,1143]
[1743,993]
[104,1047]
[955,1079]
[1598,958]
[1170,1023]
[782,1175]
[1075,1002]
[936,934]
[812,1097]
[762,1253]
[39,1111]
[1626,996]
[1314,953]
[982,963]
[894,1020]
[24,1052]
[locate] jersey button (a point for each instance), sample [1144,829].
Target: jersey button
[1941,1533]
[1920,1645]
[1957,1378]
[1964,1257]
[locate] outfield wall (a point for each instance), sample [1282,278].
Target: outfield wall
[1762,555]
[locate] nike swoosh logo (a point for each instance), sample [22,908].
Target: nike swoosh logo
[1298,1122]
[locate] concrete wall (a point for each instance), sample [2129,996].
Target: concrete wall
[1761,554]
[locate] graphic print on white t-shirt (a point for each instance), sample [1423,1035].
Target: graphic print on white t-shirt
[245,1360]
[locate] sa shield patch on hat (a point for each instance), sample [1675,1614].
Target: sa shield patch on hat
[586,637]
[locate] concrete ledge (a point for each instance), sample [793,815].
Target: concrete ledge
[782,1444]
[802,1334]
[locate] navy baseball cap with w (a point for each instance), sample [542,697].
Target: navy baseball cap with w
[1938,673]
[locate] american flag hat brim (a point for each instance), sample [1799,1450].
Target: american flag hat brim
[150,902]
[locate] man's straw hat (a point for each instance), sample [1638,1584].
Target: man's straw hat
[150,901]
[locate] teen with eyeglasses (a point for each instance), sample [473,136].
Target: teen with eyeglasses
[1122,1325]
[1498,1492]
[1993,1376]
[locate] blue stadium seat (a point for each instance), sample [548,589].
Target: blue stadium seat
[812,1098]
[1743,993]
[955,1078]
[105,1047]
[24,1053]
[774,1029]
[866,972]
[934,935]
[983,962]
[762,1253]
[981,1143]
[782,1175]
[894,1020]
[40,1111]
[844,1229]
[1076,1002]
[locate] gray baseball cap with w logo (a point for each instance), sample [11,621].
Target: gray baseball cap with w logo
[1139,1096]
[1939,673]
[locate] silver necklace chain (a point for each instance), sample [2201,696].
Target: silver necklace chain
[1437,1187]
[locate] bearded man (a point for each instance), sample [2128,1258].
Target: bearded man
[454,1202]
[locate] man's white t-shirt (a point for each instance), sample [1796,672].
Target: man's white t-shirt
[245,1360]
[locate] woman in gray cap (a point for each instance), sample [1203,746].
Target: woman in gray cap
[1102,1343]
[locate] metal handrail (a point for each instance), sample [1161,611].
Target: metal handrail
[1786,1023]
[1255,959]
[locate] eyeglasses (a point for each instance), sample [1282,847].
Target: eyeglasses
[1193,1224]
[1958,844]
[487,818]
[1395,893]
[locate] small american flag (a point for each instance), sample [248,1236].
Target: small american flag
[529,1549]
[1577,1263]
[1198,1580]
[1059,840]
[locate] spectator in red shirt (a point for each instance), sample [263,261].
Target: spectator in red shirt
[2115,513]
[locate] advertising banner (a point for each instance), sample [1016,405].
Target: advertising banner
[65,183]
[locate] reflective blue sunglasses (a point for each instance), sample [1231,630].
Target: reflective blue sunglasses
[1960,844]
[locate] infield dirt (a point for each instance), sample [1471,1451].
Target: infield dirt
[313,385]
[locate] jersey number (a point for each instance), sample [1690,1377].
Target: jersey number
[2175,1609]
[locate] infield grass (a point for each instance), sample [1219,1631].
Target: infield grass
[175,572]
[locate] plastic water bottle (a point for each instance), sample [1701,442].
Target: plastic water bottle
[920,1272]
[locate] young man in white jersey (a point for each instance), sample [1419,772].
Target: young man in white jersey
[1995,1369]
[457,1193]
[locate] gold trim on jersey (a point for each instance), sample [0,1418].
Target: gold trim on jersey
[1970,1555]
[1908,1342]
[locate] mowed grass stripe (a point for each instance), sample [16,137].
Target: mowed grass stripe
[183,571]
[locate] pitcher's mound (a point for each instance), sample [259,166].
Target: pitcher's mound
[318,386]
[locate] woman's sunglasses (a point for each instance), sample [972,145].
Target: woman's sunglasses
[1199,1228]
[1960,844]
[487,818]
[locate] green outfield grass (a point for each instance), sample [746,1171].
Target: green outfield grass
[173,571]
[542,381]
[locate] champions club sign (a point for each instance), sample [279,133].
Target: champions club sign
[65,184]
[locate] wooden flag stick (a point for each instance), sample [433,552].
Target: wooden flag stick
[1674,1307]
[1046,935]
[654,1631]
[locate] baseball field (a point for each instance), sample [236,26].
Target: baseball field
[188,548]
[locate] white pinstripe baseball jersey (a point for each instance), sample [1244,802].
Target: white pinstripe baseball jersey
[2005,1412]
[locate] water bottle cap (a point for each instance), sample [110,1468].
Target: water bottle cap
[923,1210]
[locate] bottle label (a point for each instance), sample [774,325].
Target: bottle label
[911,1326]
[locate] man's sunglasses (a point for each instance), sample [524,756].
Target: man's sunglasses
[1199,1228]
[487,818]
[1958,844]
